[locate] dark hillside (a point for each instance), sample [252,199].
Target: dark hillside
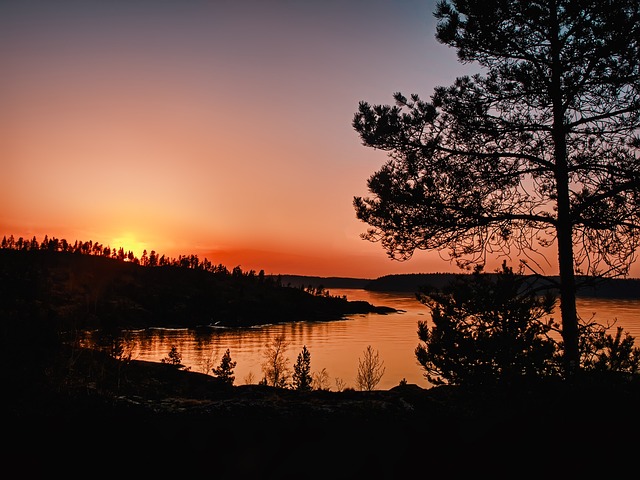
[78,291]
[151,417]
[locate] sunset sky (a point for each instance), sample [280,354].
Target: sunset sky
[216,128]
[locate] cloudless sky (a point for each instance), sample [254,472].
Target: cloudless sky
[216,128]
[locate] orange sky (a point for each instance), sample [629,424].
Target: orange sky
[221,128]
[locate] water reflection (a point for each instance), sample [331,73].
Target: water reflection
[335,346]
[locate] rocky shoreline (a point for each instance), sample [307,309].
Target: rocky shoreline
[160,416]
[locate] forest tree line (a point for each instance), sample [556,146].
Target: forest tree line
[148,259]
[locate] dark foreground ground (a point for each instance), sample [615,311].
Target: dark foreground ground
[147,419]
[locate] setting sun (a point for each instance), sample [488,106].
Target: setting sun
[129,243]
[141,140]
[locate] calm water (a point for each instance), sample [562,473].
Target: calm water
[336,346]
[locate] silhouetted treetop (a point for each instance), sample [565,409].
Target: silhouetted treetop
[89,247]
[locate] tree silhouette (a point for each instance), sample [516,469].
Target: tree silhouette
[487,329]
[539,150]
[302,379]
[174,357]
[224,371]
[370,370]
[275,366]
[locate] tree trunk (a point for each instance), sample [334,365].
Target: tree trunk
[564,226]
[568,310]
[564,230]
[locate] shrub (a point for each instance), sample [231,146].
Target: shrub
[487,329]
[370,370]
[490,329]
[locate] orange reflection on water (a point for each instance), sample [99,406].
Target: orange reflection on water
[335,346]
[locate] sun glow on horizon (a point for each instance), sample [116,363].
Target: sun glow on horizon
[129,125]
[129,243]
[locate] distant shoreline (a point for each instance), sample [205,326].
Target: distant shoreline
[412,282]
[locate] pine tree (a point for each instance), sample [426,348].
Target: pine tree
[225,370]
[539,148]
[302,371]
[174,357]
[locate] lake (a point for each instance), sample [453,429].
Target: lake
[335,346]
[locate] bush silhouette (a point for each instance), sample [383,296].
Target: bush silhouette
[487,329]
